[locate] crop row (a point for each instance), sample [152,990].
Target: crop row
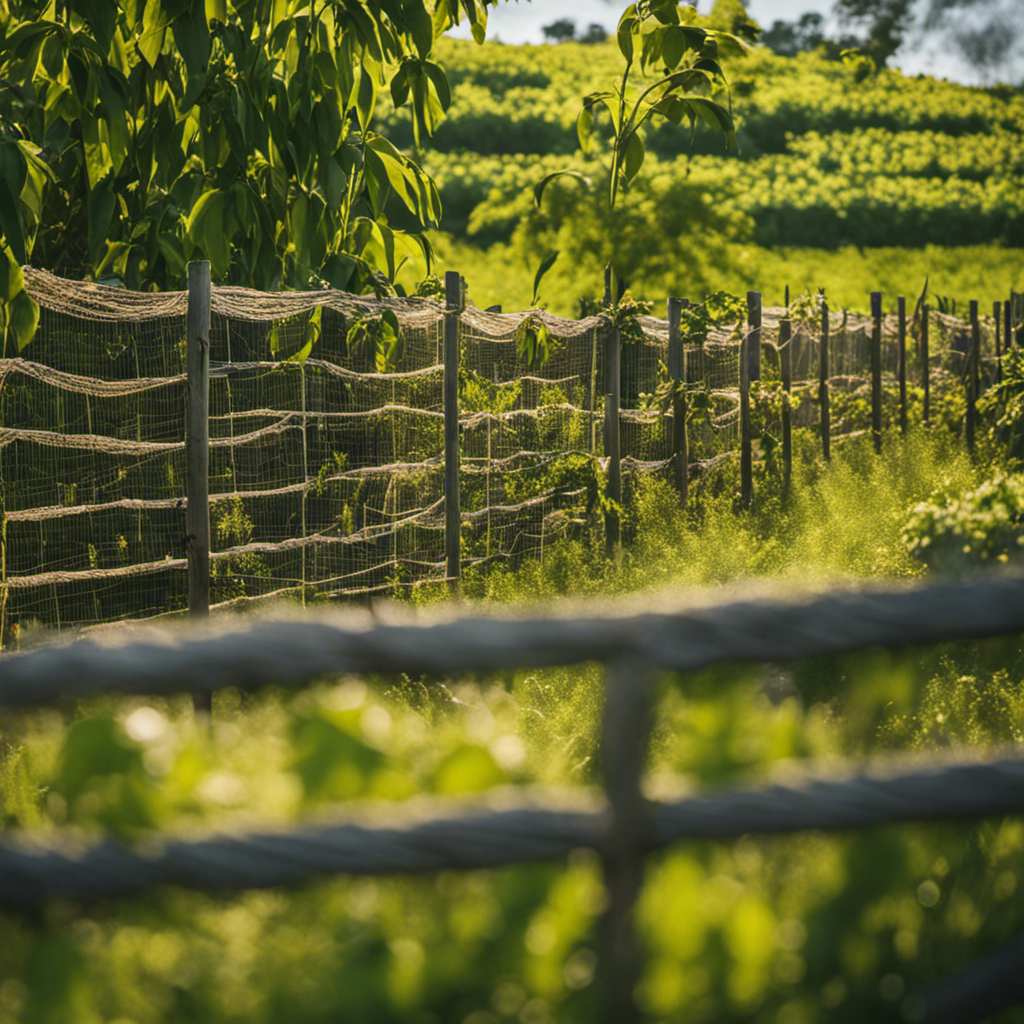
[798,199]
[524,99]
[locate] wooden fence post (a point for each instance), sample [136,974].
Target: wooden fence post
[1008,324]
[612,402]
[197,449]
[996,311]
[754,322]
[452,507]
[749,364]
[971,373]
[926,412]
[626,724]
[901,313]
[786,367]
[823,395]
[876,370]
[680,448]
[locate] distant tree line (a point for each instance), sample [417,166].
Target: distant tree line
[988,35]
[564,31]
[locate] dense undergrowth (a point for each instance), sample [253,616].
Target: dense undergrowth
[792,930]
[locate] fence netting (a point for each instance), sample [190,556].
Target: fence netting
[327,454]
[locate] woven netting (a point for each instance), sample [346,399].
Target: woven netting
[327,476]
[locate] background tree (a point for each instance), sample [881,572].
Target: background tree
[883,23]
[788,38]
[564,31]
[671,72]
[561,31]
[137,136]
[986,34]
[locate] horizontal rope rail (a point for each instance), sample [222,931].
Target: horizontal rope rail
[116,446]
[293,653]
[32,872]
[240,368]
[86,385]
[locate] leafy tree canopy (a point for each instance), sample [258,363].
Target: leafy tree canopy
[137,136]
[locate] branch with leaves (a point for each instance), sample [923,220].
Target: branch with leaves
[137,137]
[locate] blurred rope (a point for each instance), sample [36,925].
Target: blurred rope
[488,837]
[295,652]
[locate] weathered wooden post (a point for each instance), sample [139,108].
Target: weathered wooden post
[971,374]
[996,318]
[786,368]
[612,402]
[823,375]
[901,313]
[197,449]
[876,370]
[626,725]
[452,508]
[680,448]
[1008,324]
[750,370]
[925,382]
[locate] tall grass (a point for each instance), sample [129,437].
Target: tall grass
[792,931]
[841,520]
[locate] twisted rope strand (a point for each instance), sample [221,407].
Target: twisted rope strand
[489,837]
[294,652]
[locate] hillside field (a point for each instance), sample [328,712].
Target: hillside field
[851,185]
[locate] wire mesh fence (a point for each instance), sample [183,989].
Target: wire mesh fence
[327,456]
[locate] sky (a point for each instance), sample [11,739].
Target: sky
[521,21]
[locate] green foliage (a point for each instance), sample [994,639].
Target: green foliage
[624,315]
[958,532]
[136,137]
[377,340]
[1002,407]
[717,310]
[750,929]
[824,162]
[535,344]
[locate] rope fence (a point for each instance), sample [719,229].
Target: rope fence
[328,446]
[622,826]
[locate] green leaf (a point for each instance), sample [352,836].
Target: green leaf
[154,29]
[439,81]
[13,170]
[333,761]
[538,189]
[312,337]
[338,270]
[624,36]
[11,279]
[101,205]
[584,124]
[115,258]
[391,343]
[365,99]
[400,85]
[546,264]
[469,768]
[102,18]
[23,318]
[677,42]
[633,158]
[207,226]
[420,27]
